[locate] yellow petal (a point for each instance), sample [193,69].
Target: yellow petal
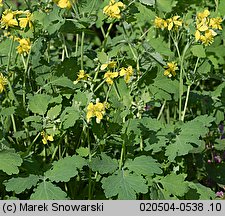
[104,66]
[50,138]
[170,26]
[197,35]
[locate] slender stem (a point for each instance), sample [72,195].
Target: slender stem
[186,102]
[82,51]
[123,149]
[13,123]
[180,91]
[99,85]
[106,36]
[161,110]
[107,95]
[103,32]
[121,155]
[188,92]
[168,114]
[65,47]
[116,90]
[141,143]
[77,44]
[182,72]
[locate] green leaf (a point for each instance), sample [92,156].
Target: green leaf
[148,2]
[10,161]
[104,165]
[145,14]
[32,119]
[66,168]
[7,111]
[82,151]
[166,5]
[198,51]
[143,165]
[189,136]
[205,193]
[221,8]
[160,46]
[204,68]
[174,184]
[39,103]
[62,82]
[69,117]
[102,57]
[18,185]
[124,93]
[124,184]
[54,111]
[68,68]
[48,191]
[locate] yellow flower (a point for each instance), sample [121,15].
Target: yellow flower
[215,23]
[109,76]
[202,26]
[96,110]
[1,3]
[26,21]
[46,138]
[8,19]
[174,22]
[110,65]
[197,35]
[160,23]
[127,73]
[64,3]
[113,9]
[170,69]
[24,46]
[3,82]
[203,15]
[82,75]
[208,38]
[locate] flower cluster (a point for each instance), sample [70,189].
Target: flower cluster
[3,82]
[109,75]
[171,68]
[82,75]
[113,10]
[24,45]
[46,137]
[22,19]
[172,23]
[205,27]
[64,3]
[96,110]
[127,73]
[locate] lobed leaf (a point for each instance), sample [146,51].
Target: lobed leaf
[188,137]
[39,103]
[64,169]
[143,165]
[104,165]
[124,184]
[48,191]
[10,161]
[174,184]
[18,185]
